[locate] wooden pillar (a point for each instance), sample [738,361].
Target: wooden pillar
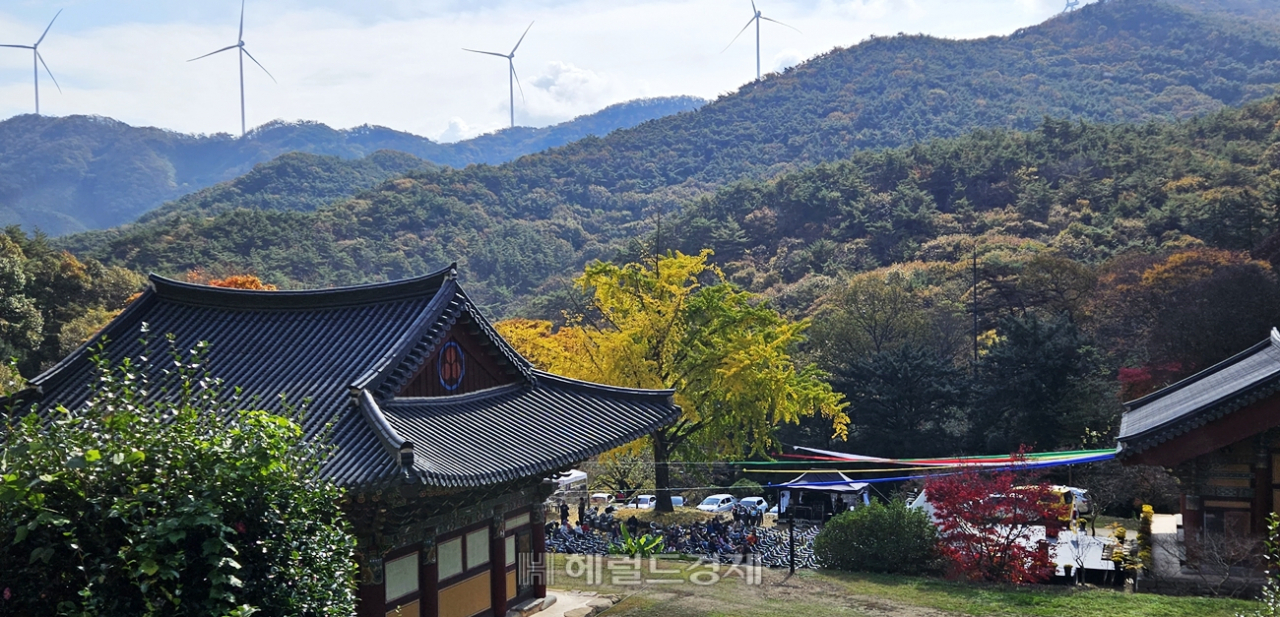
[1261,485]
[1192,517]
[429,581]
[498,566]
[370,596]
[540,558]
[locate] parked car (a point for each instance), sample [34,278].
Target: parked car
[642,502]
[756,504]
[718,503]
[648,502]
[601,499]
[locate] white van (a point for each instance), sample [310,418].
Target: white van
[648,502]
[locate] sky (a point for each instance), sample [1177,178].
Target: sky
[400,63]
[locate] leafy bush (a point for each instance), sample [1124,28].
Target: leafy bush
[132,506]
[746,488]
[637,546]
[987,521]
[879,538]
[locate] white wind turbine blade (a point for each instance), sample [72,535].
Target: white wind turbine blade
[255,61]
[228,47]
[240,37]
[735,37]
[491,53]
[754,10]
[46,69]
[18,46]
[46,30]
[780,23]
[526,31]
[513,74]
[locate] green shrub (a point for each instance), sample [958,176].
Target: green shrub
[746,488]
[131,507]
[879,538]
[637,546]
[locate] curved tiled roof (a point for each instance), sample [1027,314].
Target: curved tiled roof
[526,429]
[1201,398]
[345,352]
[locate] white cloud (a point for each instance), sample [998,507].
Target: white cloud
[786,59]
[458,130]
[399,63]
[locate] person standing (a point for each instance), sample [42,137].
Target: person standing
[564,513]
[582,509]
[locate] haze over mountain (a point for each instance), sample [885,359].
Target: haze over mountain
[64,175]
[518,225]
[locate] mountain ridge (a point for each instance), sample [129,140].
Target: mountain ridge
[77,173]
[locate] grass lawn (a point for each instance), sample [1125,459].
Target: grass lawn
[820,593]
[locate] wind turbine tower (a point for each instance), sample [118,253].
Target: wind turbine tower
[37,60]
[243,52]
[756,18]
[513,80]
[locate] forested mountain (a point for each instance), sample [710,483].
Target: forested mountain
[64,175]
[1266,11]
[1100,260]
[1108,226]
[1088,190]
[520,224]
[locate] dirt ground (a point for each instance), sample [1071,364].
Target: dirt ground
[775,593]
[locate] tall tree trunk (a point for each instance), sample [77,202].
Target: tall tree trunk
[661,471]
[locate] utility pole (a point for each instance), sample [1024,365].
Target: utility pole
[975,302]
[791,531]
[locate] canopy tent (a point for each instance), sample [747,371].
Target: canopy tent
[839,492]
[823,481]
[571,477]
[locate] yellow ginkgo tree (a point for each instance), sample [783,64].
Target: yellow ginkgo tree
[676,323]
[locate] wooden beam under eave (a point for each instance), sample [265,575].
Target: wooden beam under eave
[1239,425]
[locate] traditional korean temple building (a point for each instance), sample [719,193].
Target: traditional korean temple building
[442,434]
[1217,431]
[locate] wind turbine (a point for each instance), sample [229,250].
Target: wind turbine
[512,80]
[1071,4]
[243,52]
[754,18]
[37,60]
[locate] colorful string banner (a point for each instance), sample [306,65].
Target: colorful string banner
[932,467]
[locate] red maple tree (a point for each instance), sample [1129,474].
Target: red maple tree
[987,522]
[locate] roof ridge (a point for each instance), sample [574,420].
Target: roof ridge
[352,295]
[377,376]
[1271,341]
[400,449]
[666,393]
[453,399]
[514,356]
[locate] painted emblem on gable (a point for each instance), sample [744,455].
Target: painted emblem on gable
[451,365]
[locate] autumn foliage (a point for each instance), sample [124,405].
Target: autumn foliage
[986,520]
[234,281]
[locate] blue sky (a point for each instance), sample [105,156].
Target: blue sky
[398,63]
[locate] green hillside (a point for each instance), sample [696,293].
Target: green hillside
[521,224]
[64,175]
[1259,10]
